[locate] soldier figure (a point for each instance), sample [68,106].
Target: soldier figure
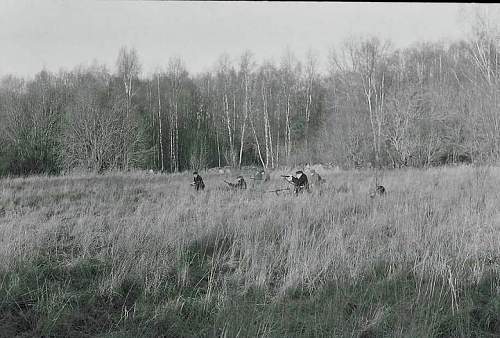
[379,190]
[240,183]
[300,182]
[316,179]
[198,182]
[261,176]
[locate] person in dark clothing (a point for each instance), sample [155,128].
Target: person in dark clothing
[379,190]
[239,184]
[198,182]
[300,182]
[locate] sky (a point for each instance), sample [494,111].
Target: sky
[57,34]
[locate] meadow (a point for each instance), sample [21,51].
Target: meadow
[144,255]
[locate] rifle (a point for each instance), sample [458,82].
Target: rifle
[278,190]
[289,181]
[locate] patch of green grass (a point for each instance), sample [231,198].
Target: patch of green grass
[43,298]
[43,294]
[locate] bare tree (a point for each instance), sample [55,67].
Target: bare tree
[289,78]
[311,75]
[128,71]
[368,60]
[160,129]
[93,127]
[246,65]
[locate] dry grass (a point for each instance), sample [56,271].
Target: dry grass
[154,257]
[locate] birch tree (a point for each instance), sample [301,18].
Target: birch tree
[288,70]
[368,60]
[245,74]
[160,128]
[176,75]
[311,76]
[128,71]
[226,96]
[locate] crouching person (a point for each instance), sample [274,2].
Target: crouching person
[239,184]
[299,182]
[261,176]
[316,181]
[198,183]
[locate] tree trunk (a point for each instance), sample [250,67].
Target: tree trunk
[266,125]
[308,115]
[218,147]
[288,141]
[243,127]
[278,135]
[257,143]
[160,127]
[229,131]
[176,115]
[172,137]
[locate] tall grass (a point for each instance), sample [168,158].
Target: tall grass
[144,255]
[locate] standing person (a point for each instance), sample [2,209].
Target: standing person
[198,182]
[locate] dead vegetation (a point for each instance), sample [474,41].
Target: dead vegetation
[145,255]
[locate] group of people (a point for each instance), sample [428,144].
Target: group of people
[299,181]
[198,183]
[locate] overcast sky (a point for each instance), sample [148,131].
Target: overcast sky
[56,34]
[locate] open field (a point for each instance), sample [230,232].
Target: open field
[126,255]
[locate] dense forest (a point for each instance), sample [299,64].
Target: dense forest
[428,104]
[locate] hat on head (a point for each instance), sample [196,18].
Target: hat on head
[195,173]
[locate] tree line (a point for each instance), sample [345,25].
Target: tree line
[428,104]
